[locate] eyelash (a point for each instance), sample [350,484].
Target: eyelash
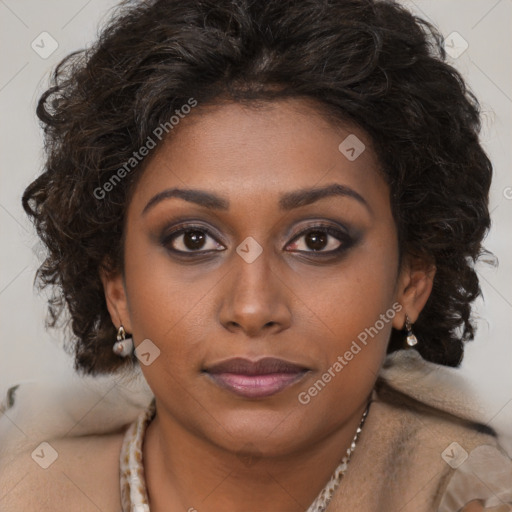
[346,241]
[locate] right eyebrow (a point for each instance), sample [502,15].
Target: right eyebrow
[200,197]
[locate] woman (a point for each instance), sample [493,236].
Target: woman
[265,204]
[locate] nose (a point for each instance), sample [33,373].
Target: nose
[255,299]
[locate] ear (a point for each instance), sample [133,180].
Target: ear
[115,295]
[414,286]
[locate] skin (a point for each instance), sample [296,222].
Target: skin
[208,448]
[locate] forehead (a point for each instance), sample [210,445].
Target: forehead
[253,153]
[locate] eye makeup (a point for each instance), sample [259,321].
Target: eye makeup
[192,239]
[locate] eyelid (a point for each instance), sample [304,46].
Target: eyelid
[190,224]
[321,225]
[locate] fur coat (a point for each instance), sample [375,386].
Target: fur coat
[424,447]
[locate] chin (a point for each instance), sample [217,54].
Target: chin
[262,433]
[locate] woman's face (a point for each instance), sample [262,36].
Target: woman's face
[264,268]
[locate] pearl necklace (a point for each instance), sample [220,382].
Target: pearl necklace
[325,496]
[134,496]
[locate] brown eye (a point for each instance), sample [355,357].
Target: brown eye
[322,240]
[316,240]
[194,240]
[191,240]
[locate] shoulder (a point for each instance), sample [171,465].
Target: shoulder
[436,437]
[42,466]
[433,399]
[407,454]
[75,473]
[450,456]
[427,418]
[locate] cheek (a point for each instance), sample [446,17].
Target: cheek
[163,308]
[163,299]
[354,312]
[352,297]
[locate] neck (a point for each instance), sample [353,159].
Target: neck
[186,471]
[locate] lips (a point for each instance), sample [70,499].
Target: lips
[256,379]
[265,366]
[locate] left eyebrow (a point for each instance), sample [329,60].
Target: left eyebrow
[307,196]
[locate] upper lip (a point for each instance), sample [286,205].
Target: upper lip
[264,366]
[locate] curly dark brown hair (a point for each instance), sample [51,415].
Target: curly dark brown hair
[369,62]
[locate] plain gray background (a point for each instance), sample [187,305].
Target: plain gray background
[28,352]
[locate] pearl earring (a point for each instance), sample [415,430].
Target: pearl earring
[123,346]
[411,338]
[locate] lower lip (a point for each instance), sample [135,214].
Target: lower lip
[256,386]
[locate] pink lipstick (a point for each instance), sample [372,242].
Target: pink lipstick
[256,379]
